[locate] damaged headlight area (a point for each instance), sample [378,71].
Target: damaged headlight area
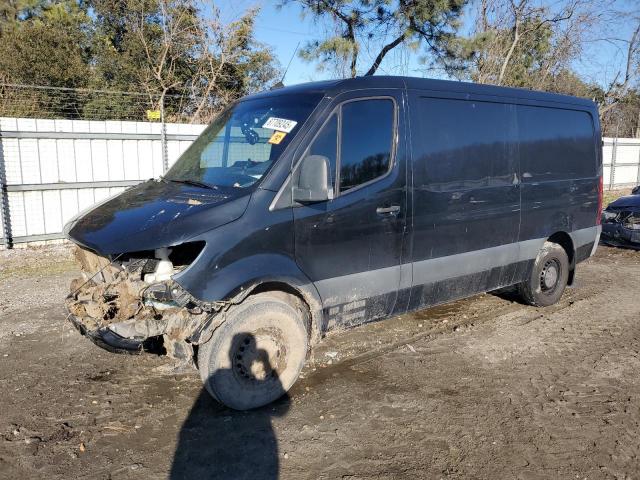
[621,227]
[128,303]
[632,222]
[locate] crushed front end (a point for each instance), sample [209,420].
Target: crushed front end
[128,303]
[621,226]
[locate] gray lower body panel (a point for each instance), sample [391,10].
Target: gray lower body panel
[366,296]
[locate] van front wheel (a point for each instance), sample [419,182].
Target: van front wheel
[548,277]
[257,354]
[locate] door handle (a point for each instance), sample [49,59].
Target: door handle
[392,210]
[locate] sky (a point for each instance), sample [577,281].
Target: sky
[283,29]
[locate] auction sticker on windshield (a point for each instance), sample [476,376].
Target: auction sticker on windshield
[277,137]
[280,124]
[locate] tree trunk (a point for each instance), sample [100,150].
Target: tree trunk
[505,63]
[354,52]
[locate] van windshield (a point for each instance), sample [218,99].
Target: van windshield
[243,142]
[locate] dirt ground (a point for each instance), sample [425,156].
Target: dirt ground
[482,388]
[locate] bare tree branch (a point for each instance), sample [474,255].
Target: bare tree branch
[617,91]
[386,49]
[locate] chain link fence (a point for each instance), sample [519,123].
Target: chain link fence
[29,101]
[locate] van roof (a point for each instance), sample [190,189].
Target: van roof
[335,87]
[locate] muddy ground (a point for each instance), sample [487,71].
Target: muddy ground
[482,388]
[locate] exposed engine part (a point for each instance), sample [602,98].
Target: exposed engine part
[164,267]
[117,307]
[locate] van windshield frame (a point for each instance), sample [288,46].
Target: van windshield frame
[243,143]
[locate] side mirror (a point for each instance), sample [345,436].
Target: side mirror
[313,180]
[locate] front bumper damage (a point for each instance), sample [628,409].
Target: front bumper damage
[109,340]
[113,306]
[621,227]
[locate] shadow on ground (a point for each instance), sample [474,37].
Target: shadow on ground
[216,442]
[510,294]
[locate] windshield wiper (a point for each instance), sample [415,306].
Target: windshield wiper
[195,183]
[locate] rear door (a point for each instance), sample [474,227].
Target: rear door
[560,172]
[351,245]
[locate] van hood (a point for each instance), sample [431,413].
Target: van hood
[155,214]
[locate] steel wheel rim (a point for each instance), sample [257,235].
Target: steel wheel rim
[550,276]
[259,358]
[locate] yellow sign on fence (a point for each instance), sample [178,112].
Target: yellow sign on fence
[153,114]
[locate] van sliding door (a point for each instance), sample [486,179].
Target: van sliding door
[466,196]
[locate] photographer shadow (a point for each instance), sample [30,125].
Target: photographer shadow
[216,442]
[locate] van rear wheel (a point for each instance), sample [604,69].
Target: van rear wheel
[257,354]
[548,277]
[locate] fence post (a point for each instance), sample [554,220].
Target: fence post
[4,200]
[612,170]
[638,173]
[163,138]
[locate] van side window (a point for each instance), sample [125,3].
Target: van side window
[366,141]
[326,145]
[555,144]
[465,144]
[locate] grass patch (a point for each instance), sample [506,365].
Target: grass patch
[37,269]
[611,195]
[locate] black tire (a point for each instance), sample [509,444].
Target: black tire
[548,277]
[257,354]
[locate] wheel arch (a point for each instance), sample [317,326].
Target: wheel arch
[306,294]
[563,239]
[292,285]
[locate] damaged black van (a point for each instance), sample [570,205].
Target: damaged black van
[331,204]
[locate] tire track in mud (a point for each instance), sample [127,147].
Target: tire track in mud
[590,395]
[406,394]
[536,414]
[530,314]
[577,409]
